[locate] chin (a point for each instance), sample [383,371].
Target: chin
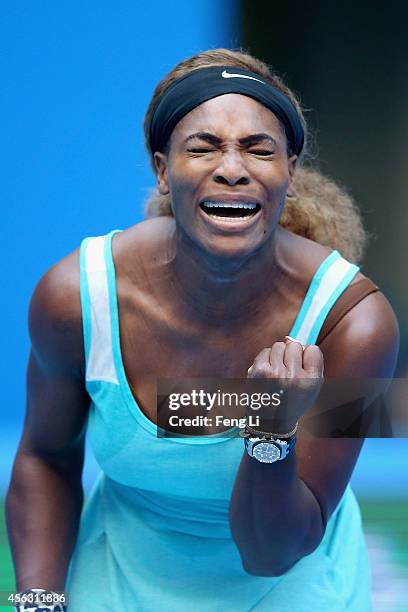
[231,249]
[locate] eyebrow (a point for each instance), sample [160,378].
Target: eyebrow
[211,138]
[247,140]
[257,138]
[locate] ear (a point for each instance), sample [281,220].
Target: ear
[291,192]
[160,162]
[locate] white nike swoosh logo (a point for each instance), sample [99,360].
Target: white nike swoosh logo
[230,75]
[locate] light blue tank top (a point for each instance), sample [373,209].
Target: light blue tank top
[154,532]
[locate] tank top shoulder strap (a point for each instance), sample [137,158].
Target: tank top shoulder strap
[330,280]
[354,294]
[96,309]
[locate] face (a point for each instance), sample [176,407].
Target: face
[227,172]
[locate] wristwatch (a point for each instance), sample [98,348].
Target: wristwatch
[269,450]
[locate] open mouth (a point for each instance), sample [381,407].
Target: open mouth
[231,210]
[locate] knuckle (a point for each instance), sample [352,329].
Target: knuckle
[279,345]
[314,350]
[262,357]
[258,360]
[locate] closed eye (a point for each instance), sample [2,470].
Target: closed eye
[200,150]
[261,152]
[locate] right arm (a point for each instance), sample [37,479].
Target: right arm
[45,496]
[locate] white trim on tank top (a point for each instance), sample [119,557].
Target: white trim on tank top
[330,281]
[101,365]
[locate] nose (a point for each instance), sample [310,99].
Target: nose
[231,170]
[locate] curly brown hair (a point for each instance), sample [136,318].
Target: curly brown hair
[320,210]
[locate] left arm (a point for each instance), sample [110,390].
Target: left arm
[279,511]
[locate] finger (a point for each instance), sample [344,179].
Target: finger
[293,357]
[260,361]
[313,362]
[276,357]
[290,339]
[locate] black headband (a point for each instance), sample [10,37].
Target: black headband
[205,83]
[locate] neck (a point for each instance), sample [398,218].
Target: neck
[226,288]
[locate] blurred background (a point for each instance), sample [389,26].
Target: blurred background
[77,78]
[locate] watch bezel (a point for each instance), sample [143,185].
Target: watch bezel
[263,441]
[284,446]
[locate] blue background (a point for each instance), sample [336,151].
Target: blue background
[76,80]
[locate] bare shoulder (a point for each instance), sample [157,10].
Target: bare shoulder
[55,317]
[139,251]
[369,336]
[145,240]
[306,256]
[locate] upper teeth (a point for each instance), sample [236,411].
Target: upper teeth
[235,205]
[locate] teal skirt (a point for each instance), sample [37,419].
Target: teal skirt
[138,551]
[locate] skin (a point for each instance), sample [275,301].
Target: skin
[203,300]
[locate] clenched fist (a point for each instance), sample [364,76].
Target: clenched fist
[298,372]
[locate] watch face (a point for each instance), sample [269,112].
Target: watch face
[266,452]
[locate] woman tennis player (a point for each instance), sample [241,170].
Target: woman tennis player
[244,268]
